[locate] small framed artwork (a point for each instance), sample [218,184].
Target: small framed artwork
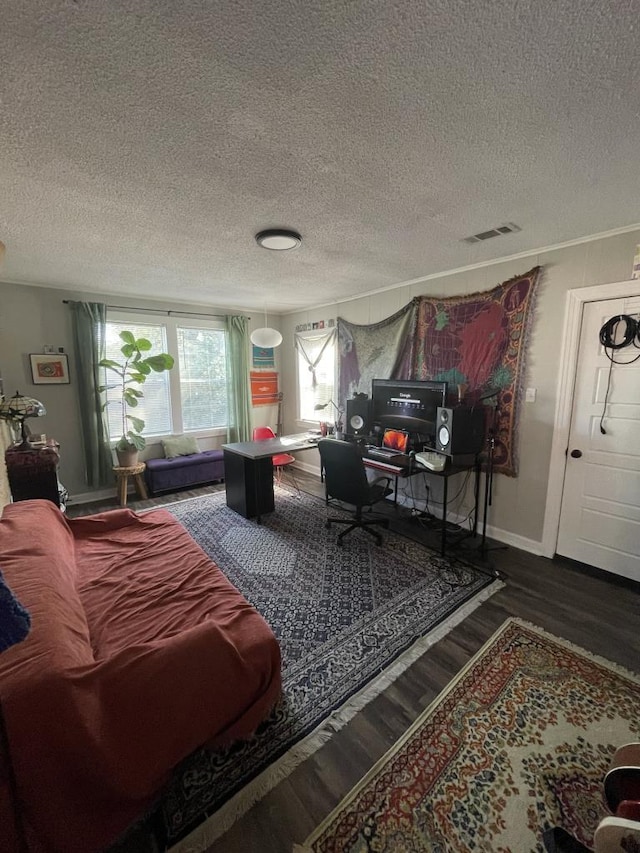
[49,369]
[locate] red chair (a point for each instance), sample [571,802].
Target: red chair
[280,460]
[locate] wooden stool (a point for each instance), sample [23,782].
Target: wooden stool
[122,476]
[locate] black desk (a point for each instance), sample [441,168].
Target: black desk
[405,466]
[401,465]
[248,472]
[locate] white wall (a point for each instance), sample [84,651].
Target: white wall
[31,317]
[517,512]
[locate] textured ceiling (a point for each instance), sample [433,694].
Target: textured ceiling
[143,143]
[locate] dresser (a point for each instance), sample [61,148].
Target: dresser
[34,473]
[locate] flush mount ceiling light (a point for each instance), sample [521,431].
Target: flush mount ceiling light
[278,239]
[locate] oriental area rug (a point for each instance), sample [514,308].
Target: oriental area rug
[518,743]
[348,619]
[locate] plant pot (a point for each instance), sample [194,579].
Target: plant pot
[127,458]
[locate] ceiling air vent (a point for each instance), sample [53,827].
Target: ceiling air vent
[508,228]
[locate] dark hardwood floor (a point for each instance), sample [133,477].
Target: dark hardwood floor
[589,608]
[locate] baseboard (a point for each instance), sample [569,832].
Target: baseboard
[503,536]
[309,469]
[90,497]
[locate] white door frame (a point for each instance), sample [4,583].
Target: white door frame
[564,398]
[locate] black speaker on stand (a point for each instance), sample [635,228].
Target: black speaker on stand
[488,481]
[358,417]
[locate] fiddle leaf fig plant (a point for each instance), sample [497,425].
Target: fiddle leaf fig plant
[132,373]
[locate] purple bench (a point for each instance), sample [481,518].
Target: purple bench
[167,475]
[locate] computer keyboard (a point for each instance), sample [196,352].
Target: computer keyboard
[432,460]
[387,466]
[382,452]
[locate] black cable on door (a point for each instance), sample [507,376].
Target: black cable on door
[608,336]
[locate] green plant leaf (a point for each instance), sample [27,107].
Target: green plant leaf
[128,350]
[131,441]
[107,362]
[137,424]
[130,399]
[127,337]
[143,345]
[138,441]
[159,363]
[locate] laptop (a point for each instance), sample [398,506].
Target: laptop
[396,440]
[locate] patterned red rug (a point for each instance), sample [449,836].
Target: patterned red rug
[519,742]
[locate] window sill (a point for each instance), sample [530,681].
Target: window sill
[215,432]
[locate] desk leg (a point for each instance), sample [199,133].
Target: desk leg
[443,537]
[249,485]
[476,496]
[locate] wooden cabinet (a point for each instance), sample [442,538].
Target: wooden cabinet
[34,474]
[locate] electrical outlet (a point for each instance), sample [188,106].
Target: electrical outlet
[530,395]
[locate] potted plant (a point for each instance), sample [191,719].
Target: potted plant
[131,374]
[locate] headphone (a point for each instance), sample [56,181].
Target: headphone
[607,336]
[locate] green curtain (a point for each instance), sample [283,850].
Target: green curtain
[89,336]
[238,388]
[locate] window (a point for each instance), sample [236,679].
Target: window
[316,351]
[192,397]
[203,378]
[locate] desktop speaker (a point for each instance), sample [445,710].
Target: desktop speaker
[459,430]
[358,416]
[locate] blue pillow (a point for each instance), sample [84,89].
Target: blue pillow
[15,621]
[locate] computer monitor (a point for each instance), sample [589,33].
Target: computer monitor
[409,405]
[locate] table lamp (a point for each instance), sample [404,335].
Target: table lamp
[16,410]
[320,406]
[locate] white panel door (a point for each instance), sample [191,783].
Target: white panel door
[600,514]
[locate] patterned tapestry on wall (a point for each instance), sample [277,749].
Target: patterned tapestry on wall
[478,342]
[379,351]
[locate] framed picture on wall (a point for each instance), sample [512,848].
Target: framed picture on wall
[49,369]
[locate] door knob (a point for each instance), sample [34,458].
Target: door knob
[576,454]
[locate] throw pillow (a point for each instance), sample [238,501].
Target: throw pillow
[181,445]
[15,621]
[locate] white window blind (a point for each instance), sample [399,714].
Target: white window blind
[203,378]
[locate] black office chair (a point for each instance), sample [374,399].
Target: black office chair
[345,479]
